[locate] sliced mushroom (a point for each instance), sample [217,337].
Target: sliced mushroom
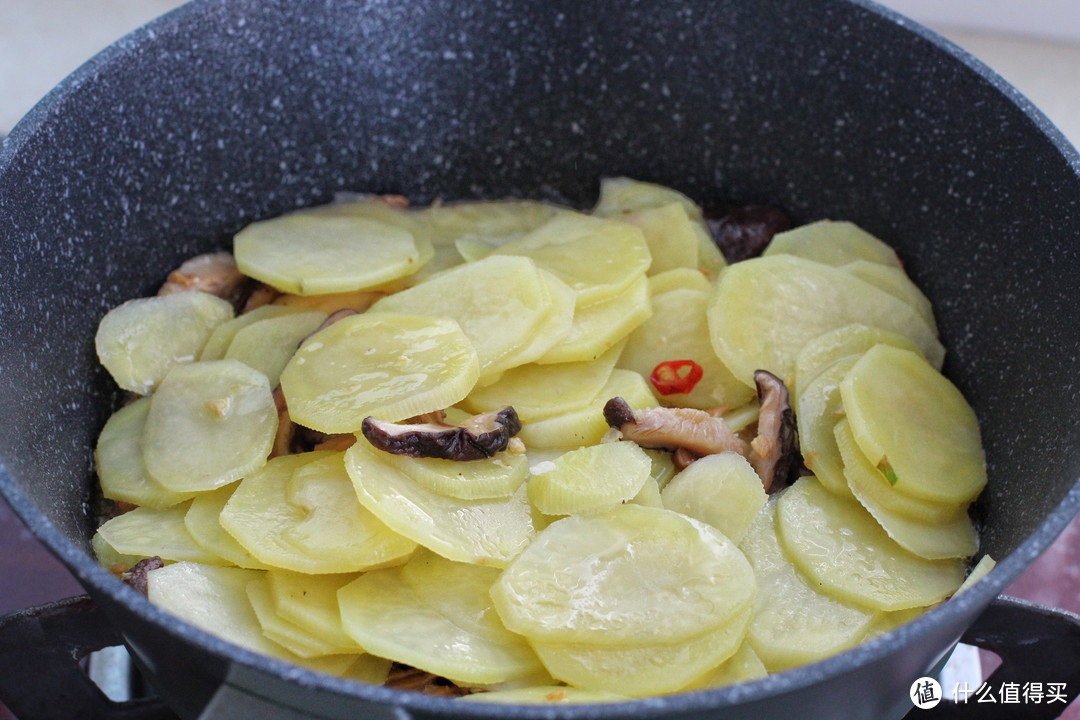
[673,428]
[136,576]
[775,450]
[479,437]
[742,232]
[286,429]
[214,273]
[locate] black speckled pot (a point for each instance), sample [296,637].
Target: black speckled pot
[225,112]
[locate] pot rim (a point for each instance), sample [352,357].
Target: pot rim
[98,580]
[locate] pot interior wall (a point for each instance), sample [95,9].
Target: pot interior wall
[231,111]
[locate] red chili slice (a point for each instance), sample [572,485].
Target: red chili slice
[676,376]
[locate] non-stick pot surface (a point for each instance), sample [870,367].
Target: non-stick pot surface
[225,112]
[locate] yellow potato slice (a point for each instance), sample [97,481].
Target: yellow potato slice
[951,537]
[119,462]
[915,426]
[981,570]
[678,330]
[593,478]
[140,341]
[299,513]
[854,339]
[833,243]
[632,575]
[818,408]
[310,602]
[793,622]
[600,326]
[894,281]
[765,310]
[743,666]
[842,549]
[215,599]
[388,365]
[679,279]
[542,391]
[866,481]
[670,233]
[269,344]
[552,330]
[385,615]
[145,532]
[495,477]
[499,303]
[586,425]
[203,523]
[222,336]
[209,424]
[597,258]
[290,636]
[483,532]
[640,670]
[722,490]
[620,196]
[476,228]
[312,252]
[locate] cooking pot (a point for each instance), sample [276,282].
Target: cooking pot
[224,112]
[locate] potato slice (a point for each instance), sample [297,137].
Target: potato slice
[138,342]
[743,666]
[670,233]
[269,344]
[854,339]
[118,460]
[312,252]
[222,336]
[590,479]
[950,537]
[310,602]
[678,330]
[640,670]
[894,281]
[914,426]
[203,523]
[542,391]
[833,243]
[679,279]
[215,600]
[385,615]
[722,490]
[477,228]
[765,310]
[299,513]
[483,532]
[793,622]
[210,424]
[867,482]
[552,330]
[621,195]
[600,326]
[597,258]
[817,409]
[499,303]
[388,365]
[145,532]
[495,477]
[586,425]
[842,549]
[290,636]
[629,576]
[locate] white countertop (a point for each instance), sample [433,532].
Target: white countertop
[1037,50]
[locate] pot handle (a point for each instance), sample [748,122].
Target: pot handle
[1039,673]
[40,650]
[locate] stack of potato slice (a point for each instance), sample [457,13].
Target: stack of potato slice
[570,566]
